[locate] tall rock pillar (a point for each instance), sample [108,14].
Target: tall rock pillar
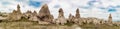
[18,9]
[61,19]
[77,13]
[110,18]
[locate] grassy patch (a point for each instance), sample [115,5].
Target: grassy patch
[100,26]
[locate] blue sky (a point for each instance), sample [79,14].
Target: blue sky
[88,8]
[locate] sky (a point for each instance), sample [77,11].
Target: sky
[88,8]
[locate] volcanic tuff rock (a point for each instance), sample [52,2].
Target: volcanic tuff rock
[77,15]
[34,13]
[16,14]
[44,14]
[61,19]
[110,18]
[71,18]
[28,13]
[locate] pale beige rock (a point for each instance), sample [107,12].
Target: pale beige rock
[16,14]
[44,14]
[28,13]
[33,18]
[18,9]
[71,18]
[77,13]
[77,16]
[110,18]
[61,19]
[34,13]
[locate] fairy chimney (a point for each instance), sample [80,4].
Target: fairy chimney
[71,18]
[18,9]
[77,13]
[28,13]
[61,13]
[110,18]
[34,13]
[61,19]
[16,14]
[44,14]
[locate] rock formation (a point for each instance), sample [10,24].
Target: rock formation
[44,14]
[77,13]
[61,13]
[34,13]
[28,13]
[77,16]
[33,16]
[61,19]
[71,18]
[110,18]
[18,9]
[16,14]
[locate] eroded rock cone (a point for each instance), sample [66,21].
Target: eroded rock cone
[77,13]
[34,13]
[28,14]
[16,14]
[110,18]
[31,16]
[77,16]
[44,14]
[71,18]
[61,13]
[18,9]
[61,19]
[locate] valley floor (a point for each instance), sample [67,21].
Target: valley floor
[35,25]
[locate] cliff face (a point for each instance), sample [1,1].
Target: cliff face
[44,14]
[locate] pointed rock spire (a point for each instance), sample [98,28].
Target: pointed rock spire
[18,9]
[110,18]
[61,19]
[18,6]
[34,13]
[77,13]
[28,11]
[44,14]
[45,10]
[70,16]
[61,13]
[14,11]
